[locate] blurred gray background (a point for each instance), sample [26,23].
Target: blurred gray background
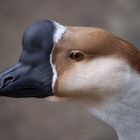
[26,119]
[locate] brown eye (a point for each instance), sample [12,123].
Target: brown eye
[76,55]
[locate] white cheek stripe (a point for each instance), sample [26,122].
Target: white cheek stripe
[59,31]
[54,72]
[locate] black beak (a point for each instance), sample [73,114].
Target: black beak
[23,81]
[32,75]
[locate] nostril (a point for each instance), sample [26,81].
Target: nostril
[8,80]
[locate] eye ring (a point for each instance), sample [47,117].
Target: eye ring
[76,55]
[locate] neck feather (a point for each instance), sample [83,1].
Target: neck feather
[122,112]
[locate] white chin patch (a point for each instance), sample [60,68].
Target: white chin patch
[59,31]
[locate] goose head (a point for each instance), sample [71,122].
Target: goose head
[75,62]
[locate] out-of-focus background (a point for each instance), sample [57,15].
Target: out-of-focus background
[25,119]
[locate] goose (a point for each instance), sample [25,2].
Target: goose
[86,65]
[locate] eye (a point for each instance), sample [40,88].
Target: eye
[76,55]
